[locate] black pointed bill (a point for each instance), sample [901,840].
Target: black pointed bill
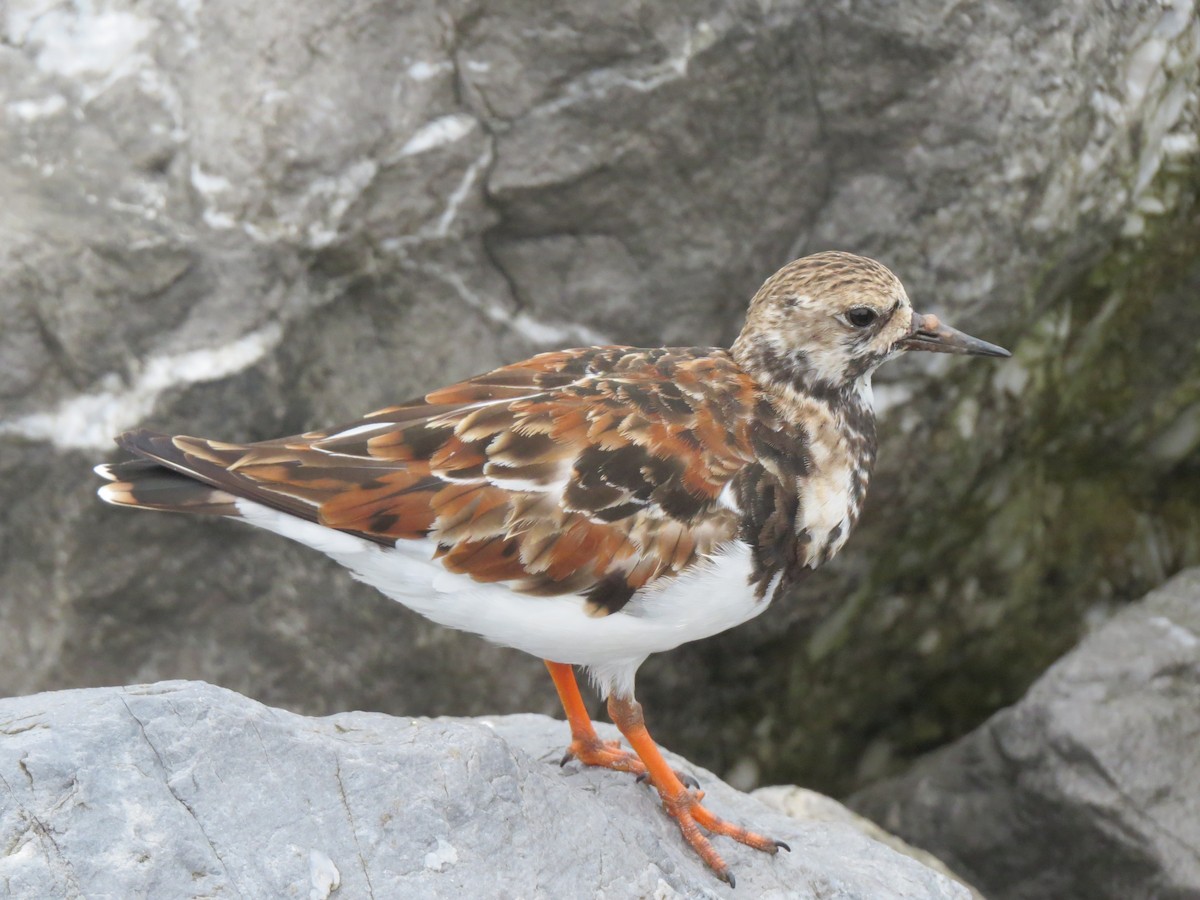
[929,333]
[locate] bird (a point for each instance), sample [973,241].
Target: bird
[593,506]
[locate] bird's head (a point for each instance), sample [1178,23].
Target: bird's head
[822,324]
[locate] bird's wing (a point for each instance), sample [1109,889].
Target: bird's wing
[593,471]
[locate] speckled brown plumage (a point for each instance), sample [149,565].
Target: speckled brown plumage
[593,471]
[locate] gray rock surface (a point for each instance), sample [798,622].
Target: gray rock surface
[182,789]
[1090,785]
[244,218]
[809,806]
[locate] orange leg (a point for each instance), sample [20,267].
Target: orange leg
[681,804]
[586,745]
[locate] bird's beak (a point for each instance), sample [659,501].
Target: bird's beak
[928,333]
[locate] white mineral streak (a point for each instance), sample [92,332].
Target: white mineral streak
[211,187]
[90,421]
[547,333]
[94,47]
[1149,102]
[322,205]
[423,71]
[460,193]
[1156,95]
[323,874]
[431,136]
[42,108]
[327,199]
[600,83]
[1181,146]
[445,130]
[445,855]
[538,332]
[1176,632]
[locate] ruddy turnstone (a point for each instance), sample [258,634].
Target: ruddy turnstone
[592,506]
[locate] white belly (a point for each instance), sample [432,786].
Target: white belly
[713,596]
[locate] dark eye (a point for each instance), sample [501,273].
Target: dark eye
[861,316]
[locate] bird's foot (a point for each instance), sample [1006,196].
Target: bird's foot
[611,755]
[683,805]
[681,802]
[591,751]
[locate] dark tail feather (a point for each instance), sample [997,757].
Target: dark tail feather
[160,479]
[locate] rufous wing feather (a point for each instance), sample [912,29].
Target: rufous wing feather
[592,471]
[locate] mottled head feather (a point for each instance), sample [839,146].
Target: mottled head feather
[801,328]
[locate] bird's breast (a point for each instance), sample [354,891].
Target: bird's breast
[831,492]
[830,500]
[798,503]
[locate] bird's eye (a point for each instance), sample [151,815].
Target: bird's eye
[861,316]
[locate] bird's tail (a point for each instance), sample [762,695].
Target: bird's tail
[162,477]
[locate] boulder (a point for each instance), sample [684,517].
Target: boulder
[801,803]
[1090,785]
[182,789]
[248,218]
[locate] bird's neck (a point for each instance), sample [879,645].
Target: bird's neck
[793,380]
[784,371]
[850,411]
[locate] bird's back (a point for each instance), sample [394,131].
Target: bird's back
[592,472]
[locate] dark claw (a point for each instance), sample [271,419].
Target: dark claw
[782,846]
[729,878]
[567,757]
[688,781]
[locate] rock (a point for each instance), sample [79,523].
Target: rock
[809,806]
[182,789]
[247,218]
[1088,786]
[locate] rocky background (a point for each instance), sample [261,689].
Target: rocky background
[1088,786]
[241,218]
